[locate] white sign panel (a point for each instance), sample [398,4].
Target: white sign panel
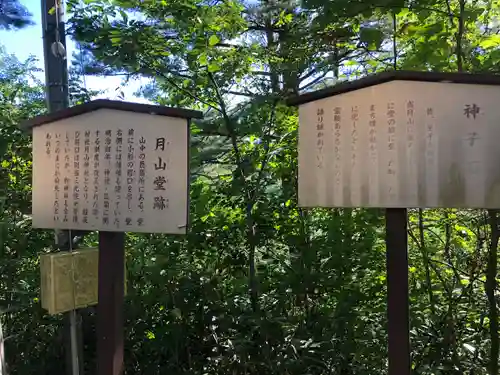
[402,144]
[111,170]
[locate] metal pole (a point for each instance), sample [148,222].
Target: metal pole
[3,367]
[398,311]
[57,96]
[111,276]
[56,69]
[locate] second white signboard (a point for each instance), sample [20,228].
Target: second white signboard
[402,144]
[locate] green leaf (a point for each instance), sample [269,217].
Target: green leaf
[213,67]
[213,40]
[491,42]
[202,59]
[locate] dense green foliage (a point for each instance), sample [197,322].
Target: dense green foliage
[259,285]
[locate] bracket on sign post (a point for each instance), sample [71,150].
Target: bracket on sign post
[398,140]
[112,167]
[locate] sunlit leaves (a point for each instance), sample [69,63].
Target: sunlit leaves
[492,41]
[213,40]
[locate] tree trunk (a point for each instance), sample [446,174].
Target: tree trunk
[491,272]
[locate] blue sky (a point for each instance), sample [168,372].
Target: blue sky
[28,42]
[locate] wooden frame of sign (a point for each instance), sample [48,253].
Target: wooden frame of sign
[113,167]
[397,140]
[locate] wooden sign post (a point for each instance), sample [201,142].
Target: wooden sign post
[114,167]
[398,140]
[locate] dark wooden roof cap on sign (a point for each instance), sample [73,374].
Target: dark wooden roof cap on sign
[395,75]
[110,104]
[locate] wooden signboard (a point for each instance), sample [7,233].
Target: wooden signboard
[401,139]
[398,140]
[110,166]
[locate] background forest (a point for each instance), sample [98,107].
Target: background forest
[258,286]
